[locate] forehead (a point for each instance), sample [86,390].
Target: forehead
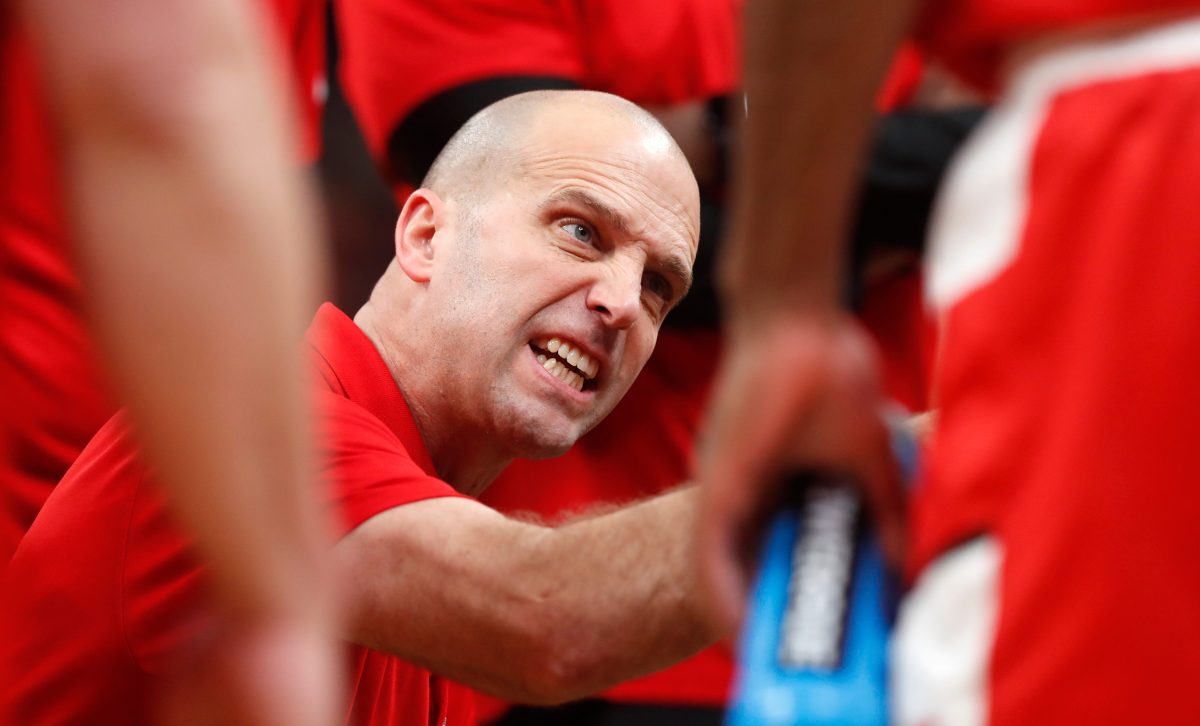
[636,186]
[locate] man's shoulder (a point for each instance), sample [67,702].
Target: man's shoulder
[343,422]
[368,466]
[108,470]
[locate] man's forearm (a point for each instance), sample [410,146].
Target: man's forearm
[624,592]
[796,387]
[198,257]
[525,612]
[812,68]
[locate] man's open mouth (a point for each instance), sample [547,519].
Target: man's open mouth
[566,361]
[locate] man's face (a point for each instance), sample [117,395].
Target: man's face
[556,283]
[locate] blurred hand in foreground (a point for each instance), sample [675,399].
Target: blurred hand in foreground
[795,392]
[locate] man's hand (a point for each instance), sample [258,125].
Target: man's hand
[796,392]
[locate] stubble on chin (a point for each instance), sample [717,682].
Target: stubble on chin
[530,430]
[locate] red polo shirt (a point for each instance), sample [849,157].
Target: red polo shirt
[104,595]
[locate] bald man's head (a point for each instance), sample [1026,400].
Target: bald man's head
[533,269]
[492,145]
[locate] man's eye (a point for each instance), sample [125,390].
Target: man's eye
[579,232]
[658,286]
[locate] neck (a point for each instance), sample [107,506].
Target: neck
[459,460]
[462,457]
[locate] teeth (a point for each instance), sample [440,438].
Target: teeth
[564,350]
[576,381]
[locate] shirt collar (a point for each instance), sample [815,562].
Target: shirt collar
[349,365]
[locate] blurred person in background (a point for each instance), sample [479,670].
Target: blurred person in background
[151,188]
[1050,543]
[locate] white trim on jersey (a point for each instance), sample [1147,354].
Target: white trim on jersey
[941,648]
[977,225]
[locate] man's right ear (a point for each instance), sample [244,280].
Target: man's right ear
[420,219]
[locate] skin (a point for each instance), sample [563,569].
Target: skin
[198,260]
[591,242]
[522,611]
[779,275]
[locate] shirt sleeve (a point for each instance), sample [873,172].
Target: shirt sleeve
[367,467]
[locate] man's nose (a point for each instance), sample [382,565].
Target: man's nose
[617,296]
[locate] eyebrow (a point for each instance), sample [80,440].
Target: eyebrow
[612,217]
[680,269]
[682,272]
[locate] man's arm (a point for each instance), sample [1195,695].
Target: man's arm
[528,613]
[198,257]
[796,387]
